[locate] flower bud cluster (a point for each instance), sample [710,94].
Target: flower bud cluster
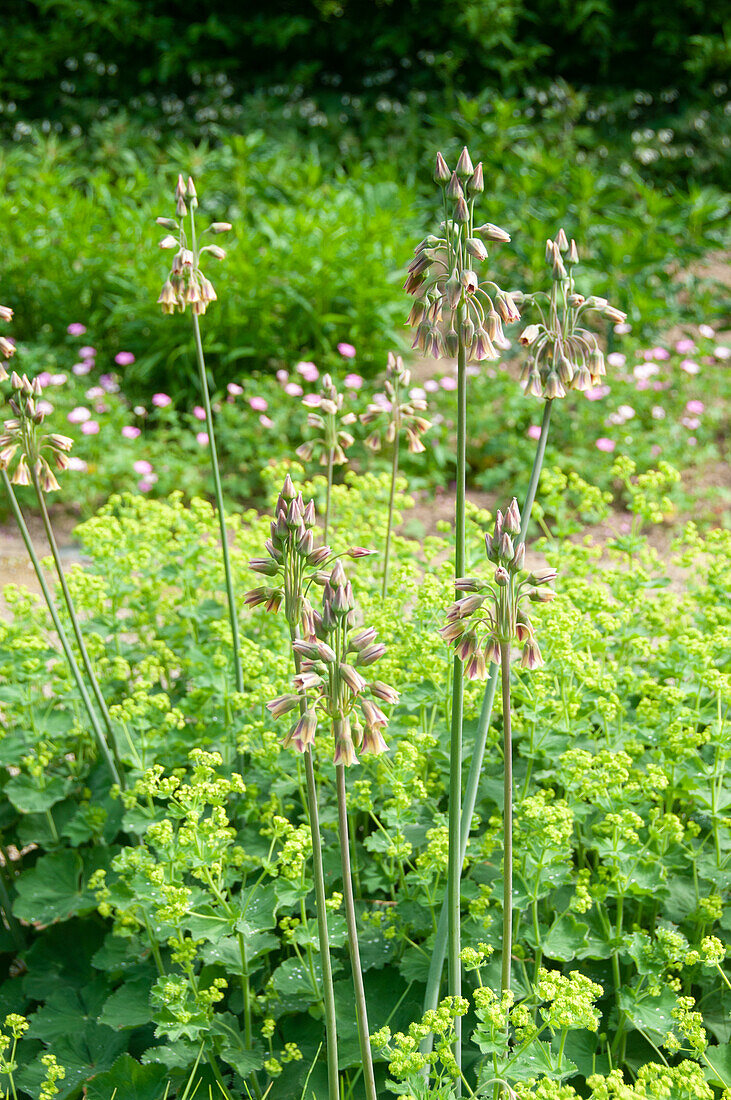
[7,347]
[563,354]
[332,684]
[494,614]
[326,415]
[452,306]
[186,285]
[22,436]
[396,412]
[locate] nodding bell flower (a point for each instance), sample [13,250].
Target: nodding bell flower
[397,409]
[494,614]
[333,686]
[23,436]
[325,414]
[186,284]
[7,347]
[452,305]
[563,354]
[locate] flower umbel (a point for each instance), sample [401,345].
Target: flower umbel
[450,299]
[22,436]
[491,614]
[327,416]
[563,354]
[396,410]
[186,284]
[7,347]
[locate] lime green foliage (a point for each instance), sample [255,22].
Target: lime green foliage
[189,899]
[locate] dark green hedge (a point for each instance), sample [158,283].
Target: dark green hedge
[56,52]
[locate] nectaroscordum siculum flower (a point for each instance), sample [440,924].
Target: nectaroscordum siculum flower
[563,354]
[396,411]
[325,415]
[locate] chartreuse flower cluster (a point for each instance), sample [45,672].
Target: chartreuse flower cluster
[23,436]
[493,614]
[186,285]
[11,1034]
[452,304]
[563,353]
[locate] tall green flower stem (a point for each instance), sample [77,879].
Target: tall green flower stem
[507,945]
[114,770]
[331,1030]
[353,946]
[391,498]
[431,996]
[76,626]
[330,461]
[203,379]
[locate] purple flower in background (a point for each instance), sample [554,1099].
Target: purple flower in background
[202,439]
[76,329]
[199,412]
[109,383]
[82,368]
[124,358]
[87,352]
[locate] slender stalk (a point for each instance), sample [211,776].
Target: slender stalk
[431,996]
[331,1031]
[360,1000]
[232,612]
[329,492]
[75,625]
[394,475]
[454,871]
[117,775]
[507,818]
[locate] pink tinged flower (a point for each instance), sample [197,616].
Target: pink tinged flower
[266,421]
[660,353]
[142,466]
[44,407]
[199,412]
[448,383]
[129,431]
[626,412]
[645,370]
[707,331]
[690,422]
[259,404]
[353,381]
[691,441]
[722,352]
[431,385]
[202,439]
[606,445]
[90,427]
[596,393]
[82,368]
[347,351]
[695,407]
[690,366]
[94,392]
[616,359]
[282,376]
[58,379]
[312,400]
[685,347]
[76,463]
[109,383]
[308,370]
[622,328]
[658,412]
[139,410]
[78,415]
[534,432]
[87,352]
[44,379]
[161,400]
[101,407]
[145,484]
[293,389]
[124,358]
[76,329]
[235,389]
[655,450]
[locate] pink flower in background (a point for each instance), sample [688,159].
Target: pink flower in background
[431,385]
[626,412]
[142,466]
[101,407]
[76,329]
[707,331]
[146,483]
[266,422]
[109,383]
[353,381]
[473,371]
[90,427]
[130,432]
[140,410]
[95,391]
[199,412]
[695,407]
[347,351]
[235,389]
[82,368]
[58,379]
[689,422]
[312,400]
[645,370]
[124,358]
[448,383]
[417,394]
[44,379]
[722,352]
[76,463]
[78,415]
[309,371]
[655,450]
[691,441]
[382,401]
[690,366]
[44,407]
[658,412]
[87,353]
[202,439]
[596,393]
[684,347]
[293,389]
[616,359]
[534,432]
[161,400]
[606,445]
[259,404]
[622,328]
[282,376]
